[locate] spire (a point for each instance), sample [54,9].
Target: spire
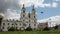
[23,7]
[33,8]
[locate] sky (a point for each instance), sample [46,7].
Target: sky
[50,8]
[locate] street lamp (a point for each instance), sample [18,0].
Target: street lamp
[1,17]
[50,22]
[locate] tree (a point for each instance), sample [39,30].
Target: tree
[28,28]
[11,29]
[46,29]
[56,27]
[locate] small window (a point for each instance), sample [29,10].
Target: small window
[23,15]
[46,24]
[34,24]
[34,16]
[29,24]
[20,23]
[3,23]
[29,20]
[7,27]
[15,23]
[29,15]
[8,23]
[12,24]
[24,24]
[26,21]
[23,11]
[2,27]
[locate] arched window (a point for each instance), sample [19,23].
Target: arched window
[20,23]
[3,23]
[8,23]
[34,24]
[2,27]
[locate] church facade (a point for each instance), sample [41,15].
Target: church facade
[25,21]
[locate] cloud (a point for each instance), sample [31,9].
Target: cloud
[37,3]
[47,5]
[5,4]
[54,20]
[56,0]
[54,4]
[9,8]
[43,20]
[12,14]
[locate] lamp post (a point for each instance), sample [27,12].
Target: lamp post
[1,17]
[50,22]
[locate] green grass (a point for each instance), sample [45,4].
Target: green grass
[31,32]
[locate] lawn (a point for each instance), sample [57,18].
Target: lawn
[31,32]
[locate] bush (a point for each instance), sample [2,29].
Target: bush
[46,29]
[56,27]
[28,29]
[11,29]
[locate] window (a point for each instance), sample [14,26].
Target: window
[8,23]
[2,27]
[23,11]
[34,16]
[24,24]
[3,23]
[29,15]
[16,23]
[34,24]
[29,20]
[23,15]
[12,24]
[7,27]
[20,23]
[26,21]
[46,24]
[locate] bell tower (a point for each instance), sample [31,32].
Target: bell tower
[23,14]
[33,18]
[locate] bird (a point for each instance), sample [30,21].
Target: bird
[42,12]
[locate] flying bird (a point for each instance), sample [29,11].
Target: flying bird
[42,12]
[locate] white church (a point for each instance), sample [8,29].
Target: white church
[25,21]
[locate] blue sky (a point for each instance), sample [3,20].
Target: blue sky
[12,8]
[48,11]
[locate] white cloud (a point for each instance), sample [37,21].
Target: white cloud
[54,4]
[56,0]
[43,20]
[37,3]
[48,5]
[12,14]
[55,20]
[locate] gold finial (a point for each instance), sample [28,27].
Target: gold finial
[1,15]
